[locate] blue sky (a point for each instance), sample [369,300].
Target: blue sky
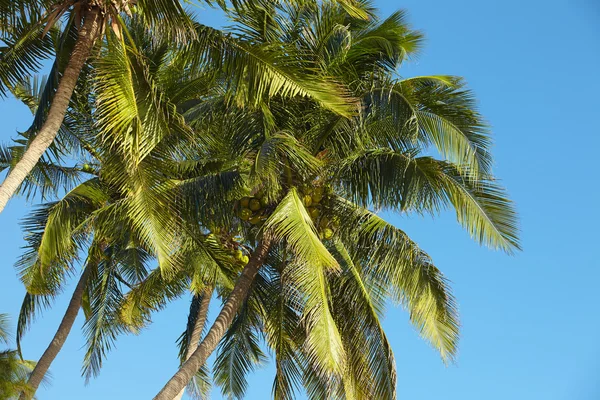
[530,322]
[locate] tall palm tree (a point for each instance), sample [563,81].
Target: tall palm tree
[373,161]
[127,122]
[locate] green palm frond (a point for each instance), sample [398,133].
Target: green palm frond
[152,294]
[55,234]
[398,267]
[256,72]
[482,206]
[23,50]
[168,17]
[102,325]
[239,352]
[447,117]
[200,386]
[385,44]
[4,334]
[291,223]
[278,152]
[282,308]
[386,179]
[371,367]
[31,306]
[323,346]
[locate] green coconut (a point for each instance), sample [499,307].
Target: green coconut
[245,214]
[244,202]
[315,213]
[254,204]
[307,200]
[324,222]
[238,254]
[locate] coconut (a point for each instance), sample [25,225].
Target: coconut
[324,222]
[254,204]
[244,202]
[245,214]
[315,213]
[327,233]
[307,200]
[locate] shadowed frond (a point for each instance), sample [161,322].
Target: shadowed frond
[239,352]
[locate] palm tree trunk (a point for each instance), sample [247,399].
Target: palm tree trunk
[198,327]
[59,339]
[90,30]
[217,330]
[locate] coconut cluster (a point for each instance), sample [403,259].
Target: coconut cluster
[315,200]
[253,209]
[256,209]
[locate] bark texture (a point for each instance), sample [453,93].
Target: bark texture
[89,32]
[198,327]
[59,339]
[238,295]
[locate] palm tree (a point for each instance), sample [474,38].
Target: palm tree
[299,154]
[128,124]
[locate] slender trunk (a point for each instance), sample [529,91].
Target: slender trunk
[198,327]
[217,330]
[59,339]
[44,138]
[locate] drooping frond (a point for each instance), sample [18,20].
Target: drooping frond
[55,233]
[371,370]
[23,50]
[398,267]
[282,326]
[30,309]
[447,117]
[4,334]
[482,206]
[388,179]
[102,325]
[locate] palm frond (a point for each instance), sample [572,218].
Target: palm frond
[447,117]
[23,51]
[398,267]
[291,223]
[239,353]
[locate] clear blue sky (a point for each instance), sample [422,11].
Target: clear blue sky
[531,322]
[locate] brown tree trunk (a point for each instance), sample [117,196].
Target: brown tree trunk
[217,330]
[90,30]
[59,339]
[198,327]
